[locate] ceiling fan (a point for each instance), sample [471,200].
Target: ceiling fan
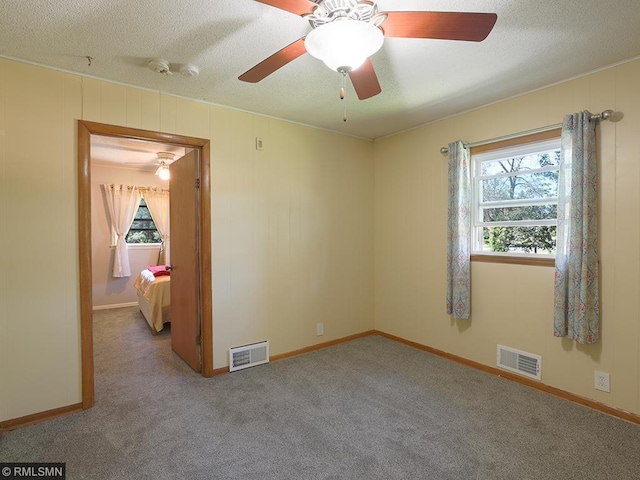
[163,161]
[347,32]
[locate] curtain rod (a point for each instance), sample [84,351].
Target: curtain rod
[139,187]
[605,115]
[150,189]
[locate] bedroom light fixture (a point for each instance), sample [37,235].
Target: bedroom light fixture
[164,160]
[344,44]
[163,172]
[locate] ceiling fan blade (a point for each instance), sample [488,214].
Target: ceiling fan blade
[472,27]
[365,81]
[298,7]
[274,62]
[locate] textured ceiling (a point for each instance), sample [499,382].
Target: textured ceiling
[131,153]
[533,44]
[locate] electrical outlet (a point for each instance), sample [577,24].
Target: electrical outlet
[319,329]
[603,381]
[258,143]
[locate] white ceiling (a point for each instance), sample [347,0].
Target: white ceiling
[533,44]
[131,153]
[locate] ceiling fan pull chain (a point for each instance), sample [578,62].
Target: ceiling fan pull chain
[343,94]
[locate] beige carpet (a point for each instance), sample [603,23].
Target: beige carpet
[368,409]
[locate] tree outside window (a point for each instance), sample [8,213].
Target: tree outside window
[143,230]
[516,201]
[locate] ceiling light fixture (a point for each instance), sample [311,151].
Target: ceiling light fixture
[165,159]
[163,172]
[343,45]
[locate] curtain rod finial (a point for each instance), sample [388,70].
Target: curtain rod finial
[606,115]
[444,150]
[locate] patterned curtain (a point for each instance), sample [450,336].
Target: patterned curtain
[459,233]
[576,304]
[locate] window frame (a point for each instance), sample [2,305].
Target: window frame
[507,257]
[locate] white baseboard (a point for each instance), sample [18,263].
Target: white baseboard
[115,305]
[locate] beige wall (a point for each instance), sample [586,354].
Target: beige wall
[292,226]
[108,290]
[39,327]
[293,230]
[512,304]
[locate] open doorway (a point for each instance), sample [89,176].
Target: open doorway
[203,283]
[124,161]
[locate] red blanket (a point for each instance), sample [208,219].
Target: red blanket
[158,270]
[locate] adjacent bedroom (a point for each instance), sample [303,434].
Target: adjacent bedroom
[131,250]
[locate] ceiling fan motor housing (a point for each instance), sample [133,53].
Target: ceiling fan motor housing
[329,11]
[165,157]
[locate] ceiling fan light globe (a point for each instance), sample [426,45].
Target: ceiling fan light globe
[344,44]
[163,172]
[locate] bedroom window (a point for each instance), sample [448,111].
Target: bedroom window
[143,230]
[515,198]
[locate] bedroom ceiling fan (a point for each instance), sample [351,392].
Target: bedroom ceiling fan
[347,32]
[163,161]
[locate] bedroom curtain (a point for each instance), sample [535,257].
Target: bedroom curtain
[158,203]
[576,302]
[459,232]
[122,203]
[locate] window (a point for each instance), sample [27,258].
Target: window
[143,230]
[515,198]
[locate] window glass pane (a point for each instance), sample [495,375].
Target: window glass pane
[143,236]
[513,214]
[522,186]
[143,213]
[143,225]
[518,184]
[143,230]
[520,163]
[540,240]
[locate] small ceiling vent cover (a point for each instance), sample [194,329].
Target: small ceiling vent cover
[520,362]
[248,356]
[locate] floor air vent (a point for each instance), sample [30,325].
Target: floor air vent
[248,356]
[520,362]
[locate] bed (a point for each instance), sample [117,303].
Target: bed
[154,298]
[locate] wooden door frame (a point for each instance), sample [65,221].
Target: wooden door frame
[85,130]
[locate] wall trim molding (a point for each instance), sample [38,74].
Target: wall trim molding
[587,402]
[115,305]
[12,424]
